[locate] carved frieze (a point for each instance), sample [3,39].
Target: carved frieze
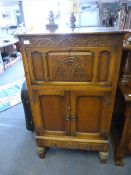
[71,41]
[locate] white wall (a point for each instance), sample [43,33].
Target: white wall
[11,19]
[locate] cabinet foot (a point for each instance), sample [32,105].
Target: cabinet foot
[41,152]
[118,161]
[103,156]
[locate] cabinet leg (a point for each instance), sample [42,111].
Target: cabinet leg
[41,151]
[103,156]
[118,161]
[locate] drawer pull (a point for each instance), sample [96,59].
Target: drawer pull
[66,61]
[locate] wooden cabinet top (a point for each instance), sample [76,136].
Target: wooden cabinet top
[89,30]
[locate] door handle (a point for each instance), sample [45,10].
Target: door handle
[73,117]
[67,117]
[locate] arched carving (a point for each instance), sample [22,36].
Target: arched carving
[70,68]
[70,41]
[42,42]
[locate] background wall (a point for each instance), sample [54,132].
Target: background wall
[34,13]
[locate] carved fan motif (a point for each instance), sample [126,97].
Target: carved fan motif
[69,42]
[42,42]
[70,69]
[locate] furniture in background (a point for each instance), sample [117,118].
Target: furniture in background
[1,64]
[72,79]
[124,16]
[9,49]
[121,122]
[9,53]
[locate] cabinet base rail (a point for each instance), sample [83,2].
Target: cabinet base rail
[100,145]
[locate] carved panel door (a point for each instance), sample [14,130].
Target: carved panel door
[89,111]
[71,66]
[51,113]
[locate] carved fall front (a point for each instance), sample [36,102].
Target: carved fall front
[69,66]
[73,66]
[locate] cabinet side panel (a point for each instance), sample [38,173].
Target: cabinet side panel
[38,65]
[89,114]
[52,108]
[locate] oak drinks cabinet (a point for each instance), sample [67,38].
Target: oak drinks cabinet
[71,79]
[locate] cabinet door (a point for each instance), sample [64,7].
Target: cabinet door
[51,112]
[89,111]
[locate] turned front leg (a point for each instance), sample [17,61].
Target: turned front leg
[118,156]
[41,151]
[103,154]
